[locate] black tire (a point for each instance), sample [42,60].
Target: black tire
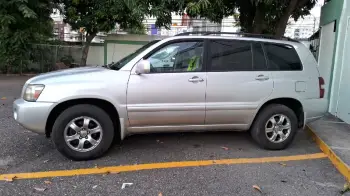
[74,112]
[258,127]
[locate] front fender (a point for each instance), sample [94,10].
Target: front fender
[110,86]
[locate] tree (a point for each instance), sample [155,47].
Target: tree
[22,22]
[103,15]
[257,16]
[97,16]
[279,12]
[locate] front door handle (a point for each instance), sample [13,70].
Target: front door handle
[262,77]
[195,79]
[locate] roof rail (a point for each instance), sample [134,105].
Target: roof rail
[236,33]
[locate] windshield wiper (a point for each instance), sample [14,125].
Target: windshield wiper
[108,66]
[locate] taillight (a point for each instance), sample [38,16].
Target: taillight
[321,86]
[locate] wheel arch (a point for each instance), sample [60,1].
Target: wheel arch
[107,106]
[291,103]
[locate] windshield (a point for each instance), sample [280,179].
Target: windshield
[122,62]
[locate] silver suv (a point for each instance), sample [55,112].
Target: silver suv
[188,82]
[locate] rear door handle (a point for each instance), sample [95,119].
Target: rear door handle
[262,77]
[195,79]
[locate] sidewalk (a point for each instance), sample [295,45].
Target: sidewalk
[333,137]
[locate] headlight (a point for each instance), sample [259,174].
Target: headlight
[32,92]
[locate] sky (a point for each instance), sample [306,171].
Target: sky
[316,11]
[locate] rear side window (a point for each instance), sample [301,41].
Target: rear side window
[230,55]
[282,57]
[236,55]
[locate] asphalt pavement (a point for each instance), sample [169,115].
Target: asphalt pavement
[24,151]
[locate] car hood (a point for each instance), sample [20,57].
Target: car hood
[67,74]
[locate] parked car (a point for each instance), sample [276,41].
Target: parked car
[270,87]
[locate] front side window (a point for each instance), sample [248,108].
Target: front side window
[178,57]
[165,53]
[282,57]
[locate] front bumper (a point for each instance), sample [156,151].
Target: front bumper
[32,115]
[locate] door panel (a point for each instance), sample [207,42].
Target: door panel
[166,99]
[233,97]
[173,94]
[238,81]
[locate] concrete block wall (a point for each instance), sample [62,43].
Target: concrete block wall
[116,47]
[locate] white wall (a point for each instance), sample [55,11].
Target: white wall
[325,59]
[115,51]
[343,106]
[96,55]
[341,60]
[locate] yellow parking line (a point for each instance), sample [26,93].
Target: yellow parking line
[128,168]
[342,167]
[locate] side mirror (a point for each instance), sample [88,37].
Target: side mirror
[143,67]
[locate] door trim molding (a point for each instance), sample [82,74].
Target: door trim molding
[230,106]
[175,128]
[164,107]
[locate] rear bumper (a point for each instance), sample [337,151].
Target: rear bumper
[315,109]
[32,115]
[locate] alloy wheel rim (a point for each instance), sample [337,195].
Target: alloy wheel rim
[278,128]
[83,134]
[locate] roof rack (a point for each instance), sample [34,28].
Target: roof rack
[236,33]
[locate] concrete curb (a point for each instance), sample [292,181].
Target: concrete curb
[342,167]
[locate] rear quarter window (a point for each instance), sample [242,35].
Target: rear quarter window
[282,57]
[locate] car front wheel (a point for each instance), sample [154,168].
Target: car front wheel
[83,132]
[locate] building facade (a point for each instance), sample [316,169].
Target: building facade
[302,28]
[58,30]
[334,56]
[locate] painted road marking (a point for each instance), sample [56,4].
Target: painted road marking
[342,167]
[165,165]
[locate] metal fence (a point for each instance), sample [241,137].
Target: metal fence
[44,58]
[173,30]
[315,44]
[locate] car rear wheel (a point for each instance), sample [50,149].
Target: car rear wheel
[83,132]
[275,127]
